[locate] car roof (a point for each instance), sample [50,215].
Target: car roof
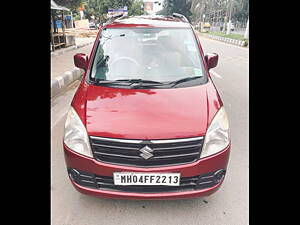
[148,22]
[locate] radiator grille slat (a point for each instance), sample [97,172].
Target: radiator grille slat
[107,183]
[162,153]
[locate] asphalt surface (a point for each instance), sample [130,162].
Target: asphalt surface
[228,206]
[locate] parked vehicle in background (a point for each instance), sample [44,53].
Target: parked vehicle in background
[207,25]
[147,121]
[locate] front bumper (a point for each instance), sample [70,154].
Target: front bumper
[202,166]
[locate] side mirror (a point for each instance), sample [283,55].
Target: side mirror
[211,60]
[81,60]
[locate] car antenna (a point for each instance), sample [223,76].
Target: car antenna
[181,17]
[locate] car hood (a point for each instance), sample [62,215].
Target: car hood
[150,113]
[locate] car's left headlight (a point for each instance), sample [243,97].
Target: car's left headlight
[217,135]
[76,137]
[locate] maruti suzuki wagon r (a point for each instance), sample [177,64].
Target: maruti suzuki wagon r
[146,121]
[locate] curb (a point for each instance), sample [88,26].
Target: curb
[58,84]
[62,51]
[227,40]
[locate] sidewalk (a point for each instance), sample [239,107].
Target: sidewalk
[236,42]
[64,62]
[232,41]
[79,42]
[63,71]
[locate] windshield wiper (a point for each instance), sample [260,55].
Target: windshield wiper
[108,82]
[174,83]
[129,82]
[140,81]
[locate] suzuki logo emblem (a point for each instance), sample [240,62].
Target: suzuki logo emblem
[146,152]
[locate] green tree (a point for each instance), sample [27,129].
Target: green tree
[99,8]
[177,6]
[91,8]
[216,10]
[240,11]
[137,8]
[71,4]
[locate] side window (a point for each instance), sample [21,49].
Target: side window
[99,57]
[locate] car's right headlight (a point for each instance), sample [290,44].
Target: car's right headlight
[217,135]
[76,137]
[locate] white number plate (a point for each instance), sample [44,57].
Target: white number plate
[133,178]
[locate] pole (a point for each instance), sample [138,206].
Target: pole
[71,20]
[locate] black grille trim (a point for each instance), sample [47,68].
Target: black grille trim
[165,152]
[106,183]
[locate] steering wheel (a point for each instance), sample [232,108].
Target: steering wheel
[118,71]
[124,58]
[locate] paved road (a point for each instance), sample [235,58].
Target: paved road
[228,206]
[65,62]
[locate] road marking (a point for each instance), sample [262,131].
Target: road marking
[215,74]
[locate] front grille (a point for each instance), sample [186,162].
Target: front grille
[162,152]
[186,183]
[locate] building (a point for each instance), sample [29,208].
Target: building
[113,12]
[151,7]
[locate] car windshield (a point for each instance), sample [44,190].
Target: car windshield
[152,54]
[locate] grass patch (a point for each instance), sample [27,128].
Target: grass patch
[232,36]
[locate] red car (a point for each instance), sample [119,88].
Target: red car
[147,121]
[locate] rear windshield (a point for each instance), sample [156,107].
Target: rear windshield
[157,54]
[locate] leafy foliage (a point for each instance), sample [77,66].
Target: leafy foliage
[100,7]
[240,10]
[71,4]
[177,6]
[136,8]
[221,8]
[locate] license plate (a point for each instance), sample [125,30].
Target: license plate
[132,178]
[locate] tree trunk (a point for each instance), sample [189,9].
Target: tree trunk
[246,35]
